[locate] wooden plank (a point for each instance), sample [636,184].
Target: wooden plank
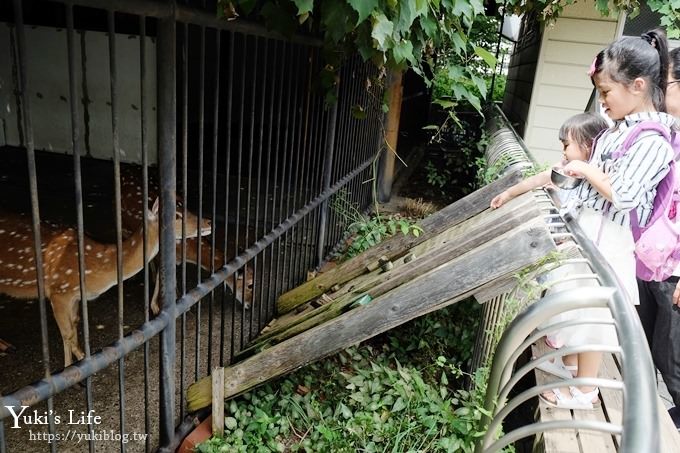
[670,438]
[469,235]
[563,440]
[396,246]
[517,249]
[612,399]
[594,440]
[494,289]
[218,402]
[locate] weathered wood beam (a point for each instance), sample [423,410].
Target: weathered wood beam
[396,246]
[451,243]
[506,254]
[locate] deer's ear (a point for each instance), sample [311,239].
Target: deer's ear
[154,208]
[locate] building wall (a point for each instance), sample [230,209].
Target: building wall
[561,87]
[521,72]
[48,89]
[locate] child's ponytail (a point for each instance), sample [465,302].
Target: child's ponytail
[628,58]
[657,39]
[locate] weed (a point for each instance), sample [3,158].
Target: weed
[380,396]
[366,231]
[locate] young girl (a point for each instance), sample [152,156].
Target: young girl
[577,135]
[630,75]
[659,301]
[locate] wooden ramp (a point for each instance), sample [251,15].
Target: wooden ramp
[611,410]
[464,247]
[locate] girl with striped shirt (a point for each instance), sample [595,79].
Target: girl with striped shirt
[630,76]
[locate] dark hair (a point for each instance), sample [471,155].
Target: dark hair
[583,128]
[674,58]
[628,58]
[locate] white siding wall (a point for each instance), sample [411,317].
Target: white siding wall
[561,87]
[47,74]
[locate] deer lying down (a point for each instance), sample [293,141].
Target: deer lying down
[60,266]
[131,215]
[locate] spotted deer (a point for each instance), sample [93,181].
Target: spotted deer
[131,212]
[59,246]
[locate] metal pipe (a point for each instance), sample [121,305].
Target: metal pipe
[216,113]
[26,120]
[521,327]
[227,171]
[637,368]
[201,149]
[239,178]
[265,61]
[251,135]
[209,284]
[113,73]
[266,302]
[326,181]
[78,182]
[167,116]
[182,13]
[49,386]
[145,221]
[183,247]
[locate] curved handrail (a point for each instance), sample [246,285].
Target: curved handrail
[640,418]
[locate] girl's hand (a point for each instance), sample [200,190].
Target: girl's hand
[676,294]
[500,199]
[576,168]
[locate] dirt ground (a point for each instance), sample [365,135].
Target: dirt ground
[19,326]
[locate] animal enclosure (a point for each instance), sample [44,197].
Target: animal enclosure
[176,173]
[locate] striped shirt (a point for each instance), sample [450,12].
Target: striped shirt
[635,175]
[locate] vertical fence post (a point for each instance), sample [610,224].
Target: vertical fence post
[387,162]
[327,170]
[167,116]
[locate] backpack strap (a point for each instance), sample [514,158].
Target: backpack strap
[633,135]
[666,187]
[663,201]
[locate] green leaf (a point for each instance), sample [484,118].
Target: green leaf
[346,412]
[458,40]
[304,6]
[364,8]
[429,25]
[602,6]
[477,6]
[399,405]
[480,84]
[358,112]
[487,56]
[407,14]
[462,8]
[403,50]
[244,5]
[279,19]
[382,30]
[337,17]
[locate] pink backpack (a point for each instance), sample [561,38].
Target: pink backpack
[657,244]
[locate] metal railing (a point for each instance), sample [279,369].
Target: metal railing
[638,430]
[241,133]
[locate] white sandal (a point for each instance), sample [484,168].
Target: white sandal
[578,400]
[558,368]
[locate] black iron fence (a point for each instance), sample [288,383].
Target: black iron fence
[219,120]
